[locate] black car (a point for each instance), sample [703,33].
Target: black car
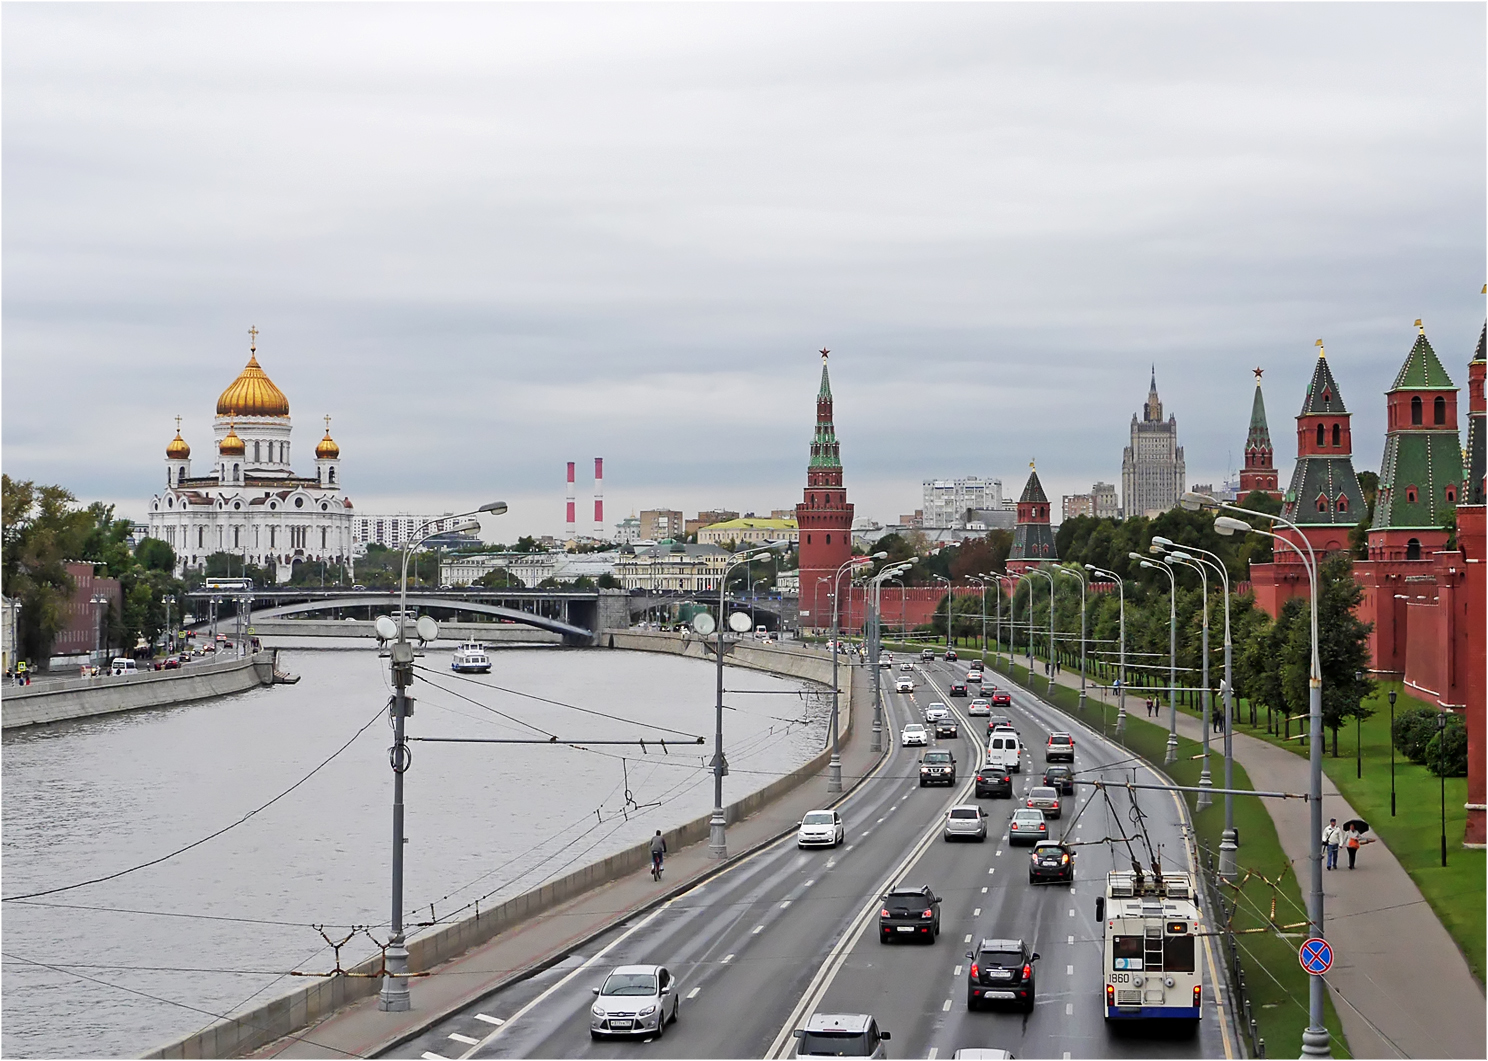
[927,655]
[1001,971]
[937,767]
[951,656]
[909,913]
[1051,861]
[1061,779]
[994,782]
[958,688]
[946,727]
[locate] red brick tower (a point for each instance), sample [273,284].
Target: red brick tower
[1033,541]
[1258,473]
[824,517]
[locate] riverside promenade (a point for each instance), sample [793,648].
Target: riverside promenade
[1399,983]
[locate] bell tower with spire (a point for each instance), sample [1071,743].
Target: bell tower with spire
[824,517]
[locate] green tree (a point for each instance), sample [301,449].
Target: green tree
[500,578]
[1343,650]
[608,581]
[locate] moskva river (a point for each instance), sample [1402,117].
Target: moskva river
[118,967]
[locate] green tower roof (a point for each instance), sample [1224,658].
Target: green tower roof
[1322,393]
[824,447]
[1422,370]
[1259,436]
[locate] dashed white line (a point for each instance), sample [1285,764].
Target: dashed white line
[849,847]
[968,940]
[1072,913]
[467,1040]
[757,930]
[984,891]
[956,971]
[1066,1056]
[946,1008]
[934,1050]
[726,959]
[694,992]
[497,1021]
[1069,1009]
[1072,939]
[879,822]
[862,835]
[977,912]
[999,851]
[991,869]
[809,883]
[1069,970]
[427,1056]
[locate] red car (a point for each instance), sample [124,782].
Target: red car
[171,663]
[1002,699]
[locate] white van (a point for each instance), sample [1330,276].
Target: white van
[1004,752]
[122,666]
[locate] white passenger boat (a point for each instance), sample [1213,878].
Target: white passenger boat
[471,658]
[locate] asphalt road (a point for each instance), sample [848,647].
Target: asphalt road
[785,932]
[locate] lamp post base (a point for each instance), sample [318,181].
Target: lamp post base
[1315,1042]
[1121,722]
[394,998]
[717,841]
[1227,849]
[877,735]
[834,774]
[1206,780]
[1171,755]
[1082,701]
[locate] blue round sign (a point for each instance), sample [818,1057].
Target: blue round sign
[1316,956]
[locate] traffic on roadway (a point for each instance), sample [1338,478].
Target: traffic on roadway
[880,909]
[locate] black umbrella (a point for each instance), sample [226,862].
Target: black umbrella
[1358,825]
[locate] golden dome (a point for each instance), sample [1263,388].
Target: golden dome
[252,394]
[231,445]
[177,449]
[327,449]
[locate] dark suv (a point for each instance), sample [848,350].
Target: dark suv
[909,913]
[927,655]
[1001,971]
[937,767]
[1061,779]
[958,688]
[994,782]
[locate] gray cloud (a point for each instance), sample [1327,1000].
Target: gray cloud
[492,238]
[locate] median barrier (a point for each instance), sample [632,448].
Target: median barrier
[71,698]
[305,1006]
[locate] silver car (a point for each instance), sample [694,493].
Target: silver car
[634,1000]
[1046,799]
[966,821]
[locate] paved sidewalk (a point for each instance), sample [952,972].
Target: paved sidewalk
[361,1030]
[1400,985]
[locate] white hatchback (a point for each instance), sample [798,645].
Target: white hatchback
[914,734]
[820,828]
[904,685]
[634,1000]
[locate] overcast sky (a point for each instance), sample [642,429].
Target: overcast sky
[489,239]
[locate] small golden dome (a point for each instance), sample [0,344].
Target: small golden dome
[253,394]
[231,445]
[327,449]
[177,449]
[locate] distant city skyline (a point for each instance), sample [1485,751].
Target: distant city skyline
[487,244]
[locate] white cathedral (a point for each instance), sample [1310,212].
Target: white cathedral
[251,503]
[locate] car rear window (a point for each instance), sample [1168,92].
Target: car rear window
[963,812]
[1004,959]
[1042,793]
[1061,738]
[834,1044]
[996,742]
[907,904]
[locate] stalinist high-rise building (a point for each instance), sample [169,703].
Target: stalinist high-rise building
[1152,471]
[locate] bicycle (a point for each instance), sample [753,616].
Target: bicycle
[656,867]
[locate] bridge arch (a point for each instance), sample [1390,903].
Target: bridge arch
[572,634]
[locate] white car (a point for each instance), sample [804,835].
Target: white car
[886,660]
[979,706]
[914,733]
[936,712]
[906,666]
[974,676]
[904,685]
[820,828]
[634,1000]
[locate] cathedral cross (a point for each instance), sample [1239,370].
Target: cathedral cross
[253,338]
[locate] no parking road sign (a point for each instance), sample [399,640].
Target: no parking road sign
[1316,956]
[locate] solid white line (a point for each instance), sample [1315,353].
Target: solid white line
[497,1021]
[540,999]
[947,1007]
[467,1040]
[694,992]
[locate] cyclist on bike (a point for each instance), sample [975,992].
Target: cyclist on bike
[658,849]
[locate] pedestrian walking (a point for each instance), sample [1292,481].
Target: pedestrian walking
[1332,838]
[1352,841]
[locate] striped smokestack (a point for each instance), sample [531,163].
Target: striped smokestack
[599,495]
[569,496]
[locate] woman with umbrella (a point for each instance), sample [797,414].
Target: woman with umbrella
[1353,837]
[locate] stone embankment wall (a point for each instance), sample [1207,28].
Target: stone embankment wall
[58,701]
[299,1009]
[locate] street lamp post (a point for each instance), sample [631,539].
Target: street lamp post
[1080,579]
[1206,778]
[981,580]
[168,600]
[1121,666]
[394,994]
[1358,735]
[100,603]
[1392,753]
[949,625]
[834,767]
[1050,687]
[1441,770]
[875,647]
[1315,1037]
[1171,755]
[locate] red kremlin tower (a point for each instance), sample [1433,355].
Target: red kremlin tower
[1258,473]
[823,518]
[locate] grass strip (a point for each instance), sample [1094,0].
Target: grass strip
[1268,892]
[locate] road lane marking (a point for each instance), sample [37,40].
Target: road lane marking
[726,959]
[809,883]
[968,940]
[694,992]
[467,1040]
[984,891]
[1066,1056]
[561,984]
[757,930]
[1069,1009]
[427,1056]
[991,870]
[1072,939]
[956,971]
[999,850]
[831,862]
[931,1055]
[879,822]
[1072,913]
[946,1008]
[977,912]
[785,904]
[849,847]
[1069,970]
[497,1021]
[862,835]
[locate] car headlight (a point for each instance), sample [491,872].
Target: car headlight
[598,1011]
[648,1011]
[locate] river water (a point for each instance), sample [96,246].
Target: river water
[116,968]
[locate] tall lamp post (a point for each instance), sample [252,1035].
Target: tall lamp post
[1002,580]
[1206,778]
[1121,666]
[1229,839]
[1315,1037]
[1040,571]
[875,647]
[981,580]
[1441,771]
[168,600]
[1358,735]
[834,768]
[1171,755]
[394,994]
[1080,579]
[1392,753]
[949,623]
[100,605]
